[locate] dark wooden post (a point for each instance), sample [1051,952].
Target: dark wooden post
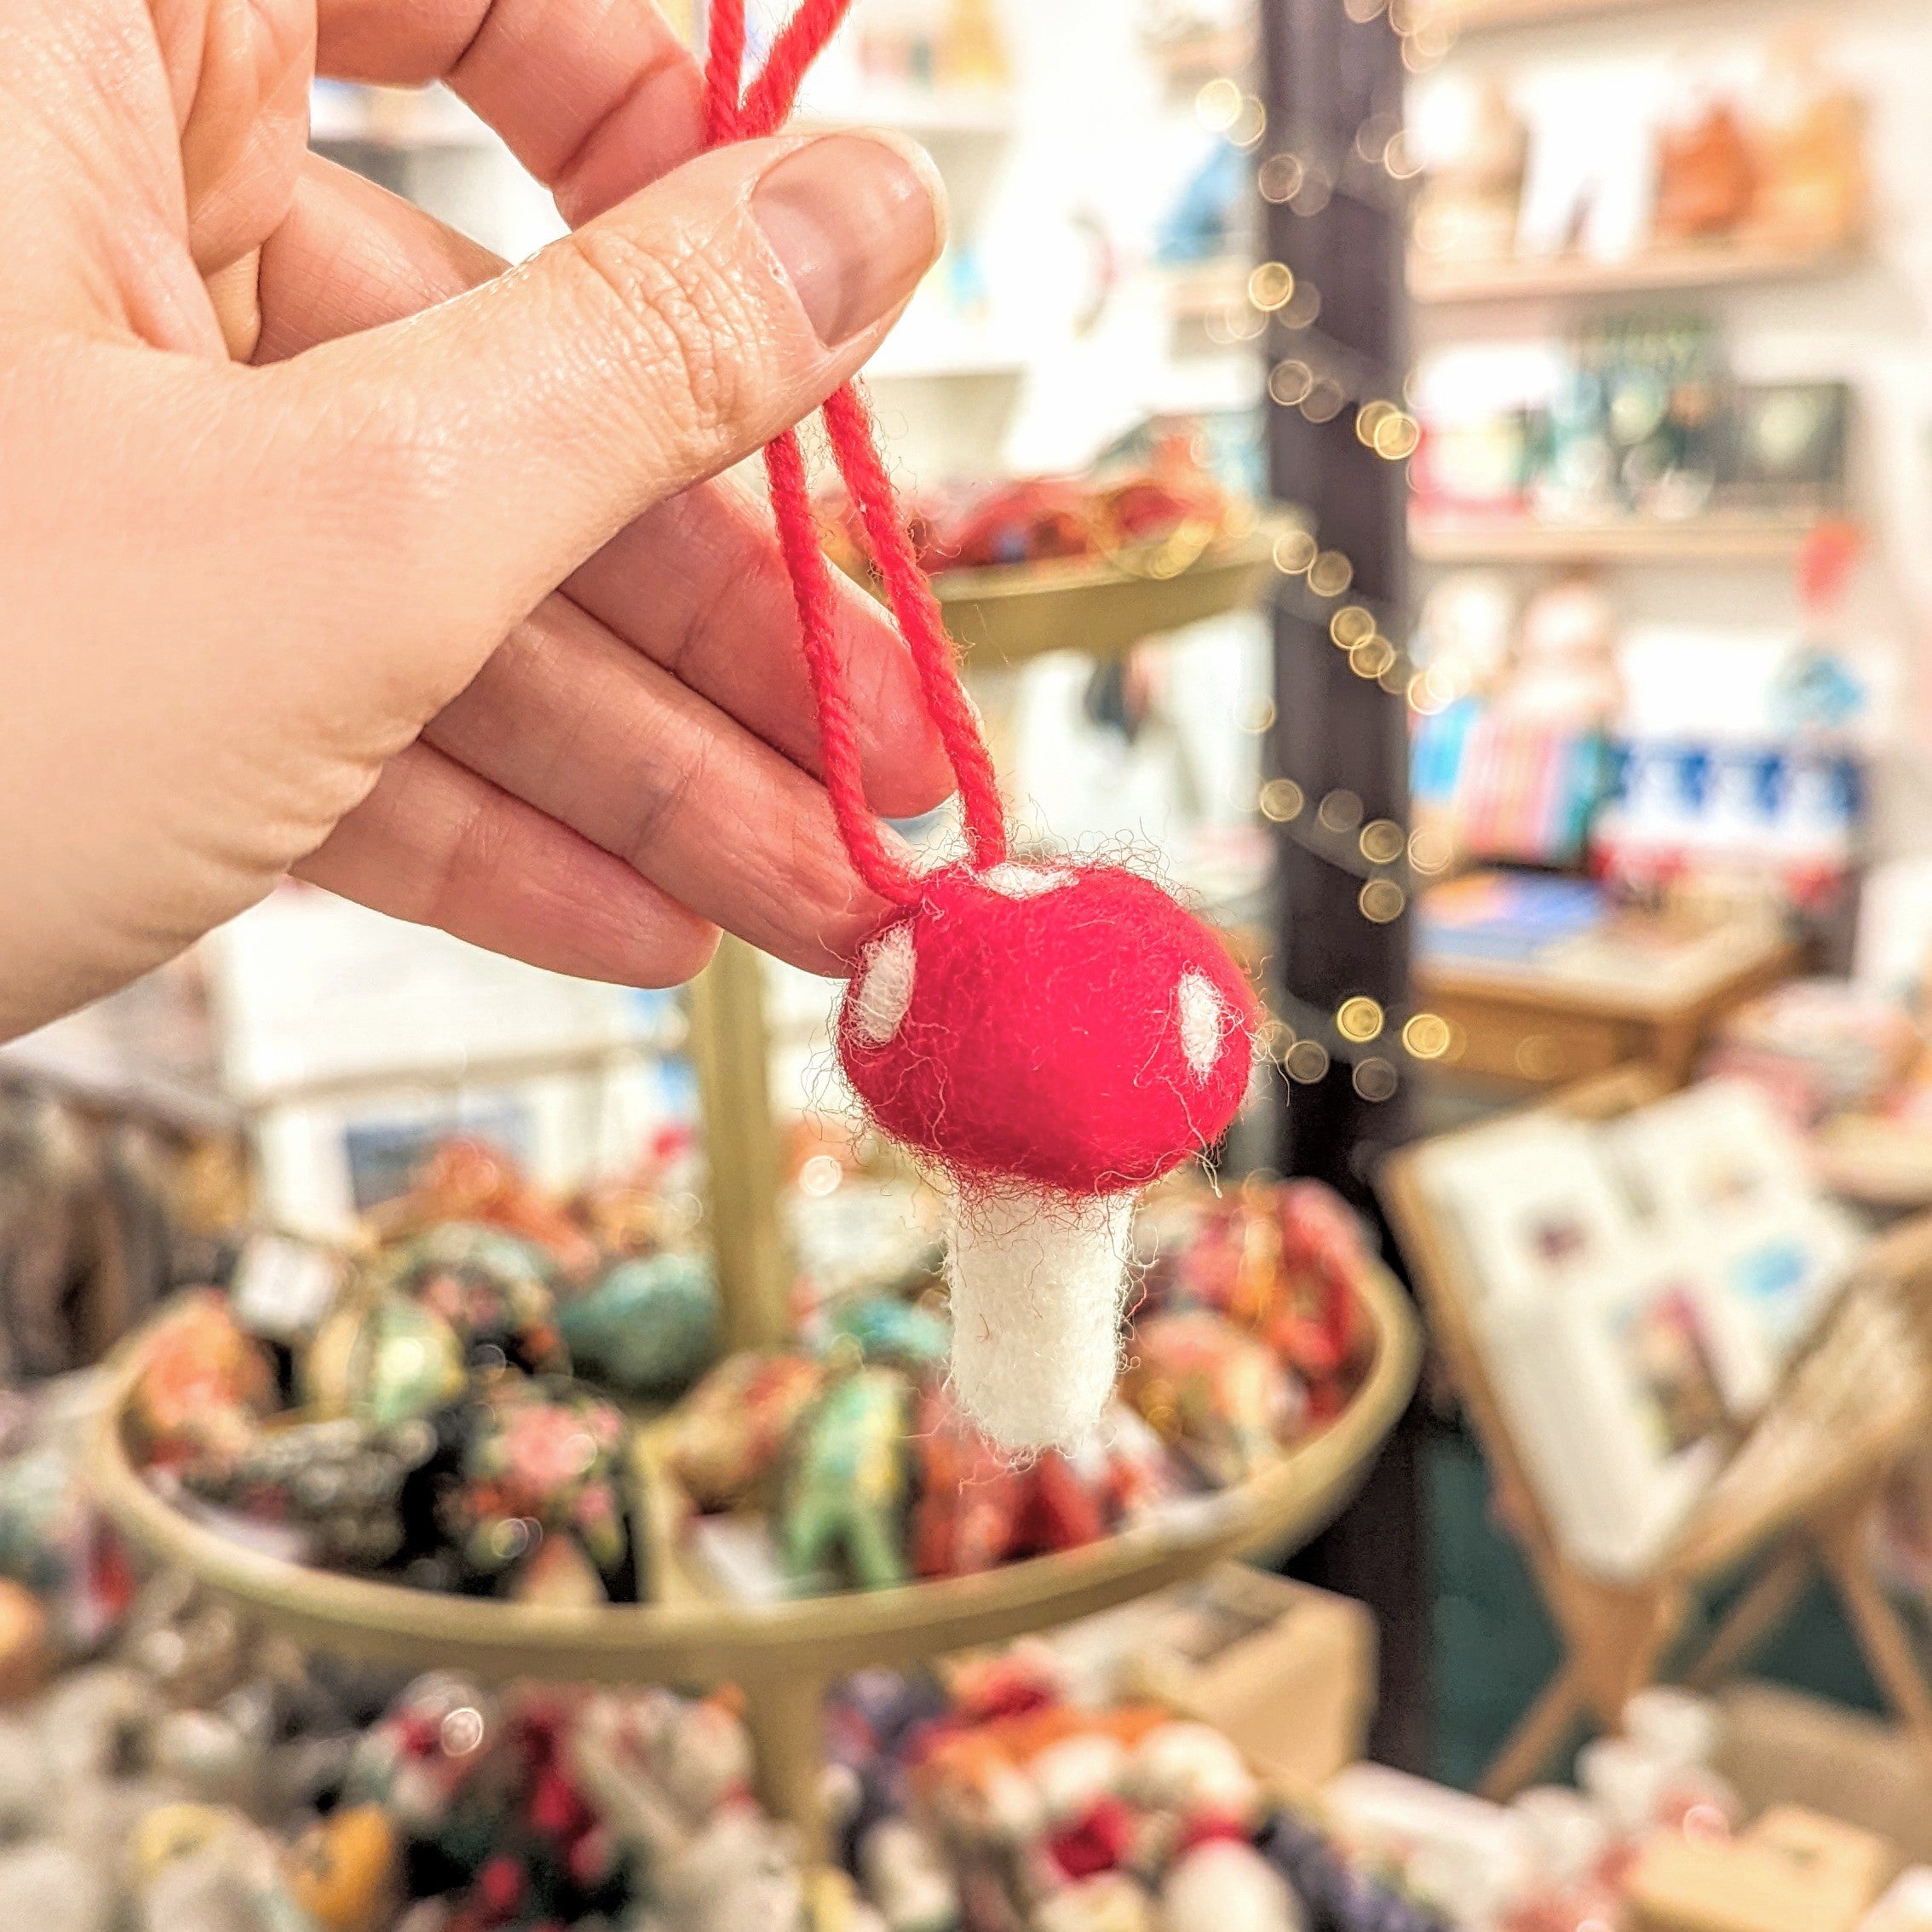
[1326,77]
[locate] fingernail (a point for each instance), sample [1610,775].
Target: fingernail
[855,223]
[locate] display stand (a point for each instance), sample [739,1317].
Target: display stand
[1011,614]
[784,1654]
[731,1054]
[1796,1499]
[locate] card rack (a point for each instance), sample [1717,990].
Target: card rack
[1798,1496]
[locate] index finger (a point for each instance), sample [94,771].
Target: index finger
[596,98]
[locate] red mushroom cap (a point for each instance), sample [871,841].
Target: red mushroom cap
[1068,1026]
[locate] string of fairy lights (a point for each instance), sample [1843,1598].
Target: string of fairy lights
[1321,377]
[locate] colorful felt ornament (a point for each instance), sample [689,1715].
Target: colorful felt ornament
[493,1288]
[1225,1885]
[203,1384]
[726,1436]
[648,1325]
[845,1489]
[1052,1037]
[1217,1394]
[540,1460]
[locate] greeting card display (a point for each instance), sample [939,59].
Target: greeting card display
[1638,1289]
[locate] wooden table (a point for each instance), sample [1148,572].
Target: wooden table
[1580,1011]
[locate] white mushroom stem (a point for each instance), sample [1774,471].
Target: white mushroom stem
[1038,1282]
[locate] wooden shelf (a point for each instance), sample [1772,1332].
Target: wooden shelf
[1435,281]
[1484,16]
[1720,538]
[1011,613]
[1209,55]
[1199,290]
[928,112]
[399,120]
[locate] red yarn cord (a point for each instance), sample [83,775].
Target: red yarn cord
[909,593]
[769,98]
[763,107]
[838,732]
[724,71]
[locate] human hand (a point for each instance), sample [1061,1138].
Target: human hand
[326,546]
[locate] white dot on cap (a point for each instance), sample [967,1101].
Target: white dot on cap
[884,991]
[1204,1020]
[1024,882]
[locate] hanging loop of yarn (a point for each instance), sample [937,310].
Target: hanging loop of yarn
[762,109]
[1052,1035]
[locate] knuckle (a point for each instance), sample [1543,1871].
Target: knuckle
[682,323]
[372,463]
[671,788]
[471,859]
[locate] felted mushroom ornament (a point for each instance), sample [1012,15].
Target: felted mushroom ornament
[1052,1035]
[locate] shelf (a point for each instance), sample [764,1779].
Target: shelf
[788,1646]
[1436,281]
[400,120]
[1212,54]
[1720,538]
[984,113]
[1012,614]
[1484,16]
[957,361]
[1197,290]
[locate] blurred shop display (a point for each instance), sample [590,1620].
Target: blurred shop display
[1642,1285]
[1169,498]
[1531,978]
[1683,1362]
[1845,1059]
[450,1412]
[1634,422]
[197,1778]
[356,1043]
[122,1173]
[1713,762]
[183,1773]
[1774,170]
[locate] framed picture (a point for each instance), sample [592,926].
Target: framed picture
[1787,445]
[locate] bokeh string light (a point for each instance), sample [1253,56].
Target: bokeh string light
[1375,1042]
[1321,378]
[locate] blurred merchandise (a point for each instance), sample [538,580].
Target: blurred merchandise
[1783,824]
[1817,1047]
[1704,765]
[1468,200]
[1157,492]
[1514,764]
[1639,1288]
[928,43]
[442,1421]
[1779,165]
[1206,220]
[1705,178]
[1008,1796]
[358,1044]
[441,1438]
[846,1464]
[1635,421]
[270,1795]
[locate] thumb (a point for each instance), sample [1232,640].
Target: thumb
[496,441]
